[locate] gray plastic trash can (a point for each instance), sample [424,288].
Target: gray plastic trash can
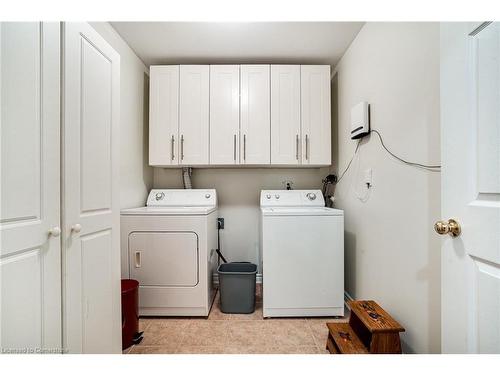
[237,287]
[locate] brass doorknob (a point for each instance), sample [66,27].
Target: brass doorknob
[450,227]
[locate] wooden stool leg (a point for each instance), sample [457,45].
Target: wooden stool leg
[385,343]
[330,346]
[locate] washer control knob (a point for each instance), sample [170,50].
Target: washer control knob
[207,196]
[277,196]
[311,196]
[268,196]
[159,196]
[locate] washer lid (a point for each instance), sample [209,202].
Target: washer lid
[301,211]
[168,211]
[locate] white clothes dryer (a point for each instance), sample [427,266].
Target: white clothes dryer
[169,246]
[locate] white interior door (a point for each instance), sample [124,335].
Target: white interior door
[315,114]
[224,114]
[164,115]
[193,114]
[285,114]
[470,117]
[255,146]
[30,268]
[92,316]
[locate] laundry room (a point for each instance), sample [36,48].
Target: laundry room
[367,172]
[253,186]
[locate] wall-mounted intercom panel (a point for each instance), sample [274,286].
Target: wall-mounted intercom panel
[360,120]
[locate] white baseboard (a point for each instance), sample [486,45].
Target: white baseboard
[215,279]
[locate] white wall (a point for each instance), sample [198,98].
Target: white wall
[392,254]
[136,176]
[238,192]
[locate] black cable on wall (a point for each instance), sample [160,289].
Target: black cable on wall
[430,168]
[434,168]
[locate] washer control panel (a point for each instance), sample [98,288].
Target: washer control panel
[291,198]
[182,198]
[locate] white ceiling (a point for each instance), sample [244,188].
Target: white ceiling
[242,42]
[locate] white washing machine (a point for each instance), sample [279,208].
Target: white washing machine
[302,254]
[169,247]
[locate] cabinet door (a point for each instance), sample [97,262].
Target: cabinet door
[285,114]
[164,115]
[255,115]
[315,114]
[30,251]
[193,114]
[224,114]
[91,227]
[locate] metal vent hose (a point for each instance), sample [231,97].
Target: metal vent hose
[186,177]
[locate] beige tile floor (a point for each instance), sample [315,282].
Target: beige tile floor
[233,334]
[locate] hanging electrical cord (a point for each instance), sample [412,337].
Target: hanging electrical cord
[431,168]
[218,250]
[363,198]
[350,162]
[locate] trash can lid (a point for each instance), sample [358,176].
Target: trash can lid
[237,268]
[129,285]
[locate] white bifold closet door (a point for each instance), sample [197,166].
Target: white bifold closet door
[30,249]
[91,256]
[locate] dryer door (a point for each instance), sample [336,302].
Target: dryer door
[164,258]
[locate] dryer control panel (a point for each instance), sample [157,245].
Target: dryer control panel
[291,198]
[182,198]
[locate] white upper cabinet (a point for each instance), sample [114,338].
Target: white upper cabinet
[193,115]
[315,114]
[285,114]
[224,114]
[255,114]
[164,115]
[240,115]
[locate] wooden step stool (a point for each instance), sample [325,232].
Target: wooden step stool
[370,330]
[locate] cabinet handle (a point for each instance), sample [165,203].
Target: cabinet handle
[297,147]
[182,147]
[137,259]
[244,146]
[172,147]
[234,147]
[307,147]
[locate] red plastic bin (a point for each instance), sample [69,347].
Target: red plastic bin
[130,312]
